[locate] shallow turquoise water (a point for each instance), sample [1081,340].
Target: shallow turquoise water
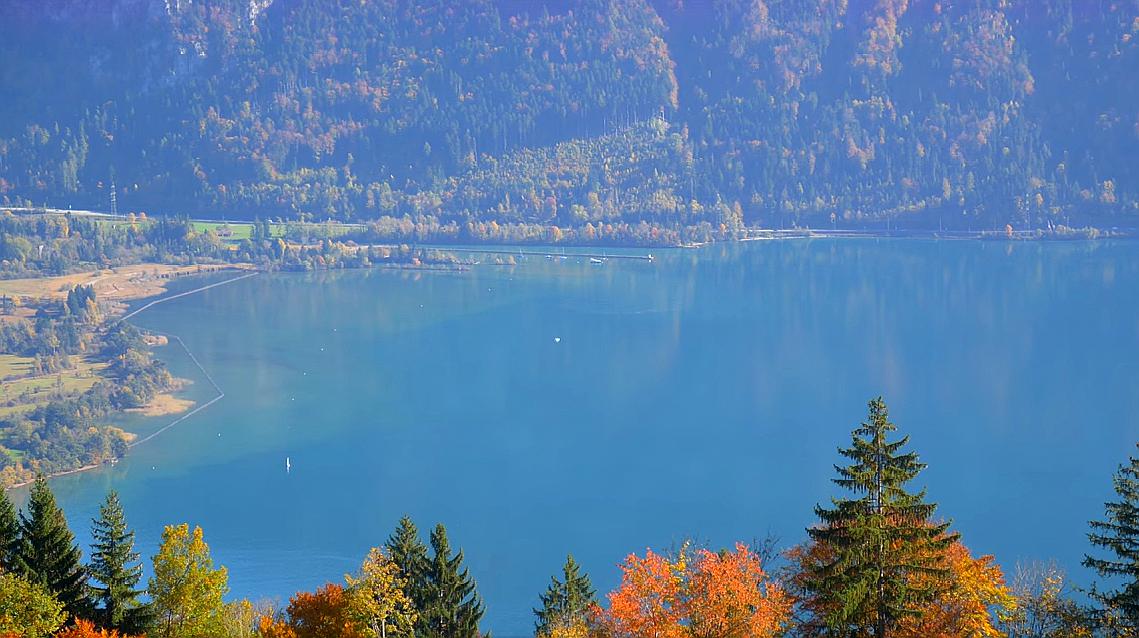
[701,395]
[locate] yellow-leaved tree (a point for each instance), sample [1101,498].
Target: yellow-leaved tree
[377,598]
[976,601]
[187,591]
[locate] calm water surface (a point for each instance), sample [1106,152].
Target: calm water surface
[701,395]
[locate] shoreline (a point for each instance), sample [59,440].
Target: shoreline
[753,233]
[183,417]
[53,475]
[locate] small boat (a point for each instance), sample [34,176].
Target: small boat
[288,465]
[595,260]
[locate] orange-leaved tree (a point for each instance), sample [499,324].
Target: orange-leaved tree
[647,604]
[85,629]
[697,595]
[730,595]
[319,614]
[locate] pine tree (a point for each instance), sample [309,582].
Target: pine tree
[116,566]
[9,535]
[409,553]
[882,556]
[48,553]
[452,607]
[1119,536]
[565,602]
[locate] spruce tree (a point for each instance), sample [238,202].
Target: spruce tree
[1118,535]
[9,535]
[409,553]
[452,608]
[117,567]
[565,602]
[48,552]
[882,555]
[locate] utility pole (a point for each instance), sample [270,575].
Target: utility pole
[114,199]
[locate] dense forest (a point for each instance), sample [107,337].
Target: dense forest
[880,562]
[633,121]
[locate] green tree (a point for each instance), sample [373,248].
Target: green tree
[28,609]
[1118,536]
[453,608]
[187,591]
[409,553]
[566,602]
[9,534]
[49,555]
[377,600]
[881,556]
[116,566]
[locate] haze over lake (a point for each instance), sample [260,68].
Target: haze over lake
[558,406]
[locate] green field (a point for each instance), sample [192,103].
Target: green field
[237,231]
[232,231]
[15,366]
[24,393]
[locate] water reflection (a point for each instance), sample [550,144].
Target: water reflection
[703,394]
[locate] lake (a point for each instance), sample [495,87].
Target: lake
[559,406]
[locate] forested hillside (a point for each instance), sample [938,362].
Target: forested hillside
[690,119]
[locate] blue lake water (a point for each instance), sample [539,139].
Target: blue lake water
[703,394]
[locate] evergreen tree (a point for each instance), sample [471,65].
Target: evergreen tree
[409,553]
[116,566]
[452,607]
[9,535]
[882,556]
[565,602]
[48,552]
[1118,535]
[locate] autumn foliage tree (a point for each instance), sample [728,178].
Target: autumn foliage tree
[648,601]
[1044,606]
[319,614]
[977,600]
[187,591]
[377,599]
[86,629]
[696,595]
[27,609]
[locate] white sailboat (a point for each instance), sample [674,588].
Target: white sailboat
[288,465]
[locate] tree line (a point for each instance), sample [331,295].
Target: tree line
[878,563]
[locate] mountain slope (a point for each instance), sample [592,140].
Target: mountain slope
[969,114]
